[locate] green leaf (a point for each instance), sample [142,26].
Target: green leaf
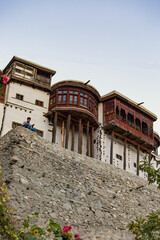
[36,214]
[55,227]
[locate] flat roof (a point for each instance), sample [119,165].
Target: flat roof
[140,107]
[15,58]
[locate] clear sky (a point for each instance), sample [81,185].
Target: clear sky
[114,43]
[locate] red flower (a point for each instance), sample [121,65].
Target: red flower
[66,229]
[76,235]
[5,79]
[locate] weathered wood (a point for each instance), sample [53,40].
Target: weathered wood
[92,142]
[54,127]
[79,136]
[73,137]
[124,161]
[111,149]
[62,133]
[67,130]
[128,140]
[138,160]
[87,138]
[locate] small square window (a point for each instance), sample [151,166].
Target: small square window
[39,103]
[19,96]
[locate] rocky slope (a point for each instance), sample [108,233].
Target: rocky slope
[97,199]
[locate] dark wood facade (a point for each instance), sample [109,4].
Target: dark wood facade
[29,73]
[76,105]
[128,120]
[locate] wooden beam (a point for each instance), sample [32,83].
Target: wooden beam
[73,138]
[67,130]
[124,154]
[87,138]
[92,142]
[54,127]
[138,160]
[63,134]
[79,136]
[128,140]
[111,149]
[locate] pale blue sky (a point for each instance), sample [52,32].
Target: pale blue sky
[114,43]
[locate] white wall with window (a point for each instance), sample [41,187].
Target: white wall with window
[24,101]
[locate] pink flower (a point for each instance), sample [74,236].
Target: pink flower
[66,229]
[76,235]
[5,79]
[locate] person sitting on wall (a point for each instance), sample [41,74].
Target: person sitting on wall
[27,124]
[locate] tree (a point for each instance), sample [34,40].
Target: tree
[148,228]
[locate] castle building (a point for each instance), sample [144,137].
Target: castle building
[111,128]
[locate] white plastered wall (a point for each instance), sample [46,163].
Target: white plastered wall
[118,149]
[18,111]
[1,113]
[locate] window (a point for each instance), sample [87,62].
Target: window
[150,131]
[119,156]
[24,71]
[73,97]
[85,102]
[123,115]
[117,112]
[138,124]
[91,104]
[83,99]
[64,98]
[145,128]
[59,98]
[52,101]
[19,96]
[130,119]
[39,103]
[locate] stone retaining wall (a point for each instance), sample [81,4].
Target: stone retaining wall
[97,199]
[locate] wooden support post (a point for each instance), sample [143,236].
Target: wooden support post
[87,138]
[111,150]
[79,136]
[73,133]
[138,160]
[67,130]
[54,128]
[63,134]
[92,142]
[124,162]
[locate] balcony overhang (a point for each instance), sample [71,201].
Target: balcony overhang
[129,136]
[76,114]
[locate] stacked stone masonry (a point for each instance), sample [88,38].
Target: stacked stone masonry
[96,198]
